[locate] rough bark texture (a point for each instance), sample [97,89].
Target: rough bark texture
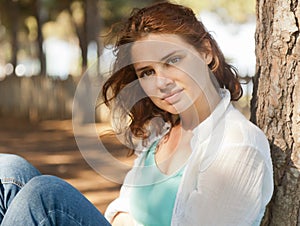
[276,102]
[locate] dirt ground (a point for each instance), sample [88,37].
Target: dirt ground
[51,147]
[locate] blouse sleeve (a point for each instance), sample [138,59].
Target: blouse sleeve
[121,204]
[234,190]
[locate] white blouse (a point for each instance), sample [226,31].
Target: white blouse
[228,179]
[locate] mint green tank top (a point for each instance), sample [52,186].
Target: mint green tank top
[152,205]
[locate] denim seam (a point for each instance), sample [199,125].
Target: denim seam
[60,211]
[11,181]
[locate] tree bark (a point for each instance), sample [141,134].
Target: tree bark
[275,106]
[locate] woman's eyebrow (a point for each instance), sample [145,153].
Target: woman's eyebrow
[161,60]
[168,55]
[141,69]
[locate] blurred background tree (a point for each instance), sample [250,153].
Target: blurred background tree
[25,25]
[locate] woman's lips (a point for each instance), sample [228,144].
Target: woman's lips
[173,97]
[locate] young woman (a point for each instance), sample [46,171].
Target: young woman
[199,161]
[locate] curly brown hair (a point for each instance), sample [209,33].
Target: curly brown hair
[165,18]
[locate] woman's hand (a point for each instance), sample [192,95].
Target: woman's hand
[123,219]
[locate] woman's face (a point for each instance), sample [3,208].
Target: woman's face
[171,71]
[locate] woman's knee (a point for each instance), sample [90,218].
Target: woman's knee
[48,182]
[51,198]
[16,167]
[49,185]
[10,159]
[44,188]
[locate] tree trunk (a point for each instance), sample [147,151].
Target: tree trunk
[14,18]
[275,106]
[81,32]
[87,31]
[84,42]
[40,39]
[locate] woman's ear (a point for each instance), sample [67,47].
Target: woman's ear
[207,53]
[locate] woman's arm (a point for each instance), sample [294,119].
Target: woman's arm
[122,219]
[119,207]
[234,190]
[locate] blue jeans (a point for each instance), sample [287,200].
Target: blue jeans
[28,198]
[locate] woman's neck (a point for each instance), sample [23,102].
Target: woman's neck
[201,109]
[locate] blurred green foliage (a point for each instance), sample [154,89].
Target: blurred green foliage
[235,10]
[24,24]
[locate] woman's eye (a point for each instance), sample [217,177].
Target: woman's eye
[173,60]
[147,73]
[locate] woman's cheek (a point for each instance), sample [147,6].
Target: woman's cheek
[148,87]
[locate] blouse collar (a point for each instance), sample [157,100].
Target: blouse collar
[205,129]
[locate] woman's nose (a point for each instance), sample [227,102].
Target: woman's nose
[162,79]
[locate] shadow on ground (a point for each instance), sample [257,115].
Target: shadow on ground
[51,147]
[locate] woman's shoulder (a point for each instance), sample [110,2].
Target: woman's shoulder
[144,145]
[245,137]
[241,130]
